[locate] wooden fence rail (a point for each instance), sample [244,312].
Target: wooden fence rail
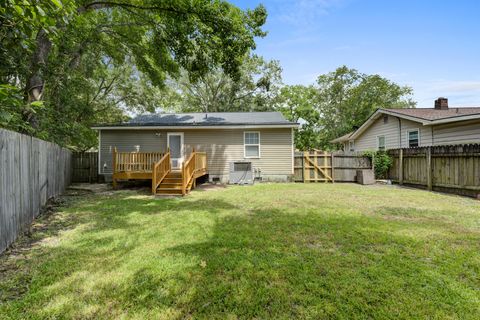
[454,169]
[31,172]
[320,166]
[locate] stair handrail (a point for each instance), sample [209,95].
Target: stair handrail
[160,171]
[188,171]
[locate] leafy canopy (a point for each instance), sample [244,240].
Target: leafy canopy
[298,104]
[338,103]
[346,98]
[254,89]
[68,64]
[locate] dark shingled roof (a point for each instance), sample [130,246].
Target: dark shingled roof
[206,119]
[434,114]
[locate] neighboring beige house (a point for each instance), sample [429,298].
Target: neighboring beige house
[407,128]
[263,139]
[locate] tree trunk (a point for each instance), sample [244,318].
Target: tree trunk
[35,82]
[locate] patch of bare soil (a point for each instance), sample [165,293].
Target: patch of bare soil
[17,260]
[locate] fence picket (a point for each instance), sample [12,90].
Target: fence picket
[27,180]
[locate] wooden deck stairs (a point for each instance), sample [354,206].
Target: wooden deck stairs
[157,167]
[172,184]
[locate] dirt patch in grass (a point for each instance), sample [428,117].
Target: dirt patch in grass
[43,231]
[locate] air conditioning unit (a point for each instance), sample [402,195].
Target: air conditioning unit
[241,172]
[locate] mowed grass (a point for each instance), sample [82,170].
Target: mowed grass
[269,251]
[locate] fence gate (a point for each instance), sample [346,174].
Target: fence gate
[85,167]
[313,166]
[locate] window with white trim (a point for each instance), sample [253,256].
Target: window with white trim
[251,141]
[413,137]
[381,143]
[351,146]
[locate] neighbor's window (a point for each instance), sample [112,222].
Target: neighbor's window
[251,142]
[413,138]
[385,118]
[351,146]
[381,143]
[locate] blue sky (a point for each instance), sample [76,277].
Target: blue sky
[432,46]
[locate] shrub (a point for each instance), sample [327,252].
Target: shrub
[381,163]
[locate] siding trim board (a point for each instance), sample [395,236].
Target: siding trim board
[99,146]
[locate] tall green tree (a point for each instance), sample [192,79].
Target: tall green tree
[346,98]
[299,104]
[82,47]
[254,89]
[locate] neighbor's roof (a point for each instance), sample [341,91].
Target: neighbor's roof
[424,116]
[433,114]
[211,119]
[343,138]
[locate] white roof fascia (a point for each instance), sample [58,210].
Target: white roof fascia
[196,127]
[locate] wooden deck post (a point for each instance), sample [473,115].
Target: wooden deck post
[400,167]
[183,179]
[429,168]
[154,179]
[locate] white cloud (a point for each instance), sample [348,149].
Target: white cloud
[304,13]
[459,93]
[460,86]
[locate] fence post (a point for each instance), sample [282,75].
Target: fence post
[400,167]
[429,168]
[305,156]
[333,168]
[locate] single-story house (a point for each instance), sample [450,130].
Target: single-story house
[409,128]
[259,141]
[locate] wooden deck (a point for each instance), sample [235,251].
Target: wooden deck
[157,167]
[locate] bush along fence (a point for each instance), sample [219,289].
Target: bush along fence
[31,172]
[454,169]
[322,166]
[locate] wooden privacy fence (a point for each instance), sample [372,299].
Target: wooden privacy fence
[444,168]
[85,167]
[31,172]
[321,166]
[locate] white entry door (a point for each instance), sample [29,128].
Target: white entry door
[175,143]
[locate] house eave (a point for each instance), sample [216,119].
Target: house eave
[376,115]
[454,119]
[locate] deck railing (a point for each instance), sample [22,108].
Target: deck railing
[160,171]
[200,161]
[135,161]
[188,170]
[195,163]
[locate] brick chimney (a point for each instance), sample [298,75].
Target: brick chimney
[441,104]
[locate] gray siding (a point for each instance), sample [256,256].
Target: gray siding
[368,139]
[455,133]
[222,147]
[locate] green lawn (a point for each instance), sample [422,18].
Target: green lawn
[276,251]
